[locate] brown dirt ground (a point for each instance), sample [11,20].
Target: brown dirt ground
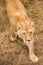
[13,53]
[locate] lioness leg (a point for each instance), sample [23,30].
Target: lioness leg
[32,55]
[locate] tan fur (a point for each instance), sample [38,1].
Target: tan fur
[22,25]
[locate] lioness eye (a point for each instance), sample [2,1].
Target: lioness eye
[23,33]
[30,32]
[19,28]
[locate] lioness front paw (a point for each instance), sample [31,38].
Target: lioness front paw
[33,58]
[12,38]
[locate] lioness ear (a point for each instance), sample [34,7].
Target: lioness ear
[13,36]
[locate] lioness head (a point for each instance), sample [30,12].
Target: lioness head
[24,31]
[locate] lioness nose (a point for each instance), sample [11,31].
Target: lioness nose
[28,40]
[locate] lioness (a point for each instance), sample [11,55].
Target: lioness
[22,26]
